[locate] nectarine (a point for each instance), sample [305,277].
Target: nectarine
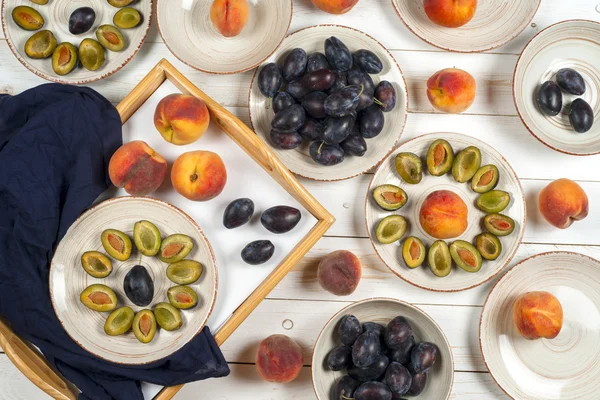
[229,16]
[444,215]
[199,175]
[181,118]
[451,90]
[538,315]
[450,13]
[279,359]
[562,202]
[335,6]
[136,167]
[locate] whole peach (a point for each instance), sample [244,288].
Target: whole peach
[181,118]
[450,13]
[339,272]
[199,175]
[136,167]
[444,215]
[538,315]
[451,90]
[229,16]
[562,202]
[279,359]
[335,6]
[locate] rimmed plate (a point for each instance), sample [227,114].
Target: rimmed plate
[188,32]
[391,254]
[496,22]
[68,279]
[569,44]
[298,161]
[56,15]
[564,368]
[382,310]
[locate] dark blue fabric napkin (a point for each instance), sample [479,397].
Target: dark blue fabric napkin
[55,145]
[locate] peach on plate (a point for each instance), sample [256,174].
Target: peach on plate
[199,175]
[450,13]
[562,202]
[181,118]
[229,16]
[451,90]
[444,215]
[335,6]
[538,315]
[136,167]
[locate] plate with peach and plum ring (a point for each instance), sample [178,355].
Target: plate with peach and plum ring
[540,325]
[445,212]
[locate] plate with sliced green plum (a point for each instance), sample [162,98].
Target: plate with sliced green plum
[445,212]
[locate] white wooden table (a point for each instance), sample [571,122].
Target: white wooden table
[298,307]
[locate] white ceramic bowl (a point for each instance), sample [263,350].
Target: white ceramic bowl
[298,160]
[496,22]
[56,15]
[569,44]
[391,254]
[564,368]
[188,32]
[68,279]
[382,310]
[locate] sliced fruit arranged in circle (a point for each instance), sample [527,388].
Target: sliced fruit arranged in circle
[182,297]
[499,224]
[466,256]
[96,264]
[439,258]
[167,316]
[409,167]
[119,321]
[147,238]
[175,248]
[413,252]
[440,157]
[485,179]
[144,326]
[390,197]
[99,298]
[466,163]
[493,201]
[489,245]
[391,229]
[116,244]
[184,272]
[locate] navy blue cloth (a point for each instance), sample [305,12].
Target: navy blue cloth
[55,145]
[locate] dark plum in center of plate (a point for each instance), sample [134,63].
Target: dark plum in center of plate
[549,98]
[138,286]
[81,20]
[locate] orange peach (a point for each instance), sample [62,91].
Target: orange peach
[136,167]
[181,118]
[450,13]
[335,6]
[229,16]
[562,202]
[199,175]
[451,90]
[538,315]
[444,215]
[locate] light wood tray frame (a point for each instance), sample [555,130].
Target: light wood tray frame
[35,367]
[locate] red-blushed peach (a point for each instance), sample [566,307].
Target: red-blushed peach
[538,315]
[450,13]
[339,272]
[335,6]
[562,202]
[199,175]
[444,215]
[451,90]
[229,16]
[181,118]
[279,359]
[136,167]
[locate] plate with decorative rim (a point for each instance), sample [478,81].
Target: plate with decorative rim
[564,368]
[68,279]
[569,44]
[496,22]
[458,279]
[298,161]
[56,16]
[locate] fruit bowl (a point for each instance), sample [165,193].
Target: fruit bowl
[298,160]
[569,44]
[56,15]
[68,279]
[189,34]
[563,368]
[382,311]
[495,23]
[422,276]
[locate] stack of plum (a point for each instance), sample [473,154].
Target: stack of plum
[329,99]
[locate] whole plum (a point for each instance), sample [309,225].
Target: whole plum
[373,372]
[311,130]
[258,252]
[339,358]
[343,102]
[354,145]
[281,101]
[423,356]
[397,378]
[289,120]
[336,130]
[402,353]
[373,391]
[326,154]
[581,116]
[371,122]
[294,64]
[549,98]
[397,331]
[337,54]
[349,330]
[344,388]
[314,104]
[280,219]
[269,80]
[317,61]
[238,213]
[570,81]
[368,61]
[356,77]
[285,140]
[366,349]
[386,95]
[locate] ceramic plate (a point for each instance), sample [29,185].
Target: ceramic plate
[68,279]
[495,23]
[564,368]
[391,254]
[569,44]
[298,160]
[188,32]
[56,15]
[382,311]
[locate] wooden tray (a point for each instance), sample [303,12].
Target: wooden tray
[33,365]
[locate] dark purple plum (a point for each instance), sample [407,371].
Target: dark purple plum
[316,62]
[374,327]
[314,104]
[349,329]
[337,54]
[281,101]
[373,372]
[294,64]
[285,140]
[280,219]
[365,100]
[311,130]
[258,252]
[570,81]
[386,95]
[341,81]
[356,77]
[139,286]
[343,102]
[397,378]
[423,356]
[581,116]
[401,354]
[269,80]
[336,130]
[397,331]
[289,120]
[339,358]
[418,382]
[367,61]
[318,80]
[371,121]
[296,89]
[344,388]
[238,213]
[373,391]
[549,98]
[366,349]
[81,20]
[326,154]
[354,145]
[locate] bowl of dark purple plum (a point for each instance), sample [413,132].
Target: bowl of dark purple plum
[382,349]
